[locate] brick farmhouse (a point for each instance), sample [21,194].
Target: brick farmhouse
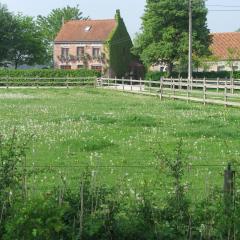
[102,45]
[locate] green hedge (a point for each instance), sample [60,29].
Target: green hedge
[48,73]
[158,75]
[47,77]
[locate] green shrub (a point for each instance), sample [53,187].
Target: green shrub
[48,73]
[12,175]
[36,219]
[47,77]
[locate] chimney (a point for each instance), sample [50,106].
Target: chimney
[118,14]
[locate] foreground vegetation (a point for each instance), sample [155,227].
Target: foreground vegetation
[88,163]
[95,211]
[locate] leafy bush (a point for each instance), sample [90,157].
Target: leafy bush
[48,73]
[39,218]
[47,77]
[12,174]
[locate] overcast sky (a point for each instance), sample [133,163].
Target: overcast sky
[131,10]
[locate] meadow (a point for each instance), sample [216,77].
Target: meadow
[119,136]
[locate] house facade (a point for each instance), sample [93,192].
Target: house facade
[102,45]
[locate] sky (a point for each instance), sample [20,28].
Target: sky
[131,11]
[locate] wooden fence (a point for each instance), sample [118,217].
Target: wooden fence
[214,91]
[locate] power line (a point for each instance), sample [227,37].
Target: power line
[224,6]
[224,10]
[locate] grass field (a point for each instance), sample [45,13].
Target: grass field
[117,134]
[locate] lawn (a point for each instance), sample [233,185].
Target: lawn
[117,135]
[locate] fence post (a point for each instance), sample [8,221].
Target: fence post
[123,83]
[229,198]
[180,84]
[173,89]
[204,91]
[217,85]
[140,84]
[161,88]
[232,85]
[150,85]
[229,178]
[131,83]
[116,82]
[37,82]
[225,93]
[188,90]
[7,80]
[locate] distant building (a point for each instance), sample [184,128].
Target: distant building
[226,49]
[102,45]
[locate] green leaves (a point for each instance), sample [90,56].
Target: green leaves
[7,27]
[26,46]
[164,36]
[50,25]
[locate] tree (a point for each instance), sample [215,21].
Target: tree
[26,45]
[204,62]
[51,24]
[164,36]
[232,57]
[7,28]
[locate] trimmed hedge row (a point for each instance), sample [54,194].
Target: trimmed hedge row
[48,73]
[157,75]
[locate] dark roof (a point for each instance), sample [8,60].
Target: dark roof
[224,41]
[75,30]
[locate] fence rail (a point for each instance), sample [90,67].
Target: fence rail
[215,91]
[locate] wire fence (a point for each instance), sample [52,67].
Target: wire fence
[199,180]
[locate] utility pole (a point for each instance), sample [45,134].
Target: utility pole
[190,42]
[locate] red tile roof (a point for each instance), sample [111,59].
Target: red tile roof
[74,30]
[224,41]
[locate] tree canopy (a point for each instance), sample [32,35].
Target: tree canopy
[51,24]
[164,35]
[20,40]
[27,46]
[7,28]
